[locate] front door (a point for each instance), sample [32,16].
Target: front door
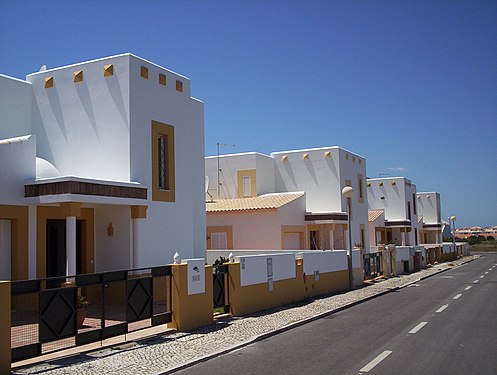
[56,247]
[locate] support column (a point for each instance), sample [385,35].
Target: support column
[403,236]
[70,211]
[138,216]
[32,229]
[71,245]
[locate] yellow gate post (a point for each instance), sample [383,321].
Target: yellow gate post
[5,350]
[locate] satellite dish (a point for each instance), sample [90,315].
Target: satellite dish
[206,184]
[42,68]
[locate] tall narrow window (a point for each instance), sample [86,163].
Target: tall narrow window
[409,210]
[362,238]
[414,203]
[360,183]
[163,165]
[247,186]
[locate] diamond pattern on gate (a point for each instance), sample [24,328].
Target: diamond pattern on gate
[57,314]
[139,304]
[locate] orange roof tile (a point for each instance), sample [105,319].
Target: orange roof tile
[262,202]
[374,214]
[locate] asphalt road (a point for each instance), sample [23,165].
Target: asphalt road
[446,324]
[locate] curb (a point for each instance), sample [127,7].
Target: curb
[299,323]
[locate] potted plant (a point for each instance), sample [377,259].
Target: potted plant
[81,310]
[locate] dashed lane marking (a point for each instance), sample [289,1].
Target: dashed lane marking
[375,361]
[442,308]
[457,296]
[468,287]
[486,273]
[476,281]
[482,276]
[418,327]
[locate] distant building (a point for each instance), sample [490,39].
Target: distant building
[429,212]
[396,197]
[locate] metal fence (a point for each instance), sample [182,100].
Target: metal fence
[61,312]
[220,290]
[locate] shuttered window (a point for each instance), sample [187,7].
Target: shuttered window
[219,241]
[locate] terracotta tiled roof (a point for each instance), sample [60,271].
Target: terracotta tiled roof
[262,202]
[374,214]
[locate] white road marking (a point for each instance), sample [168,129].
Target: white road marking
[468,287]
[442,308]
[476,281]
[482,276]
[418,327]
[486,273]
[457,296]
[375,361]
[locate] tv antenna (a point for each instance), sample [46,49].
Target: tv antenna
[218,168]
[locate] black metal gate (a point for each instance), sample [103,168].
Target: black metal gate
[58,313]
[220,289]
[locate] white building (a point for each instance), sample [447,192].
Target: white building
[102,168]
[431,218]
[321,173]
[396,196]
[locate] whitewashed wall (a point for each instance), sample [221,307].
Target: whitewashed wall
[266,178]
[429,207]
[17,166]
[324,261]
[253,268]
[229,165]
[83,128]
[170,226]
[15,107]
[402,253]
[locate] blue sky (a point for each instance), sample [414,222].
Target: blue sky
[410,85]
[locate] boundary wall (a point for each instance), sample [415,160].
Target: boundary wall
[313,274]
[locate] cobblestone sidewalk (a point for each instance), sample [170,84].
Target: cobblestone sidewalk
[169,351]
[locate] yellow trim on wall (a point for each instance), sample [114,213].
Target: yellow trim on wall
[45,213]
[78,76]
[18,216]
[287,229]
[228,229]
[48,82]
[70,209]
[190,311]
[138,212]
[179,86]
[144,72]
[362,235]
[252,298]
[162,79]
[161,129]
[108,70]
[253,184]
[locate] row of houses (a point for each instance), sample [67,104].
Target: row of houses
[293,200]
[103,168]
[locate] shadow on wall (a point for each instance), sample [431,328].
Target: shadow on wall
[54,99]
[117,96]
[84,98]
